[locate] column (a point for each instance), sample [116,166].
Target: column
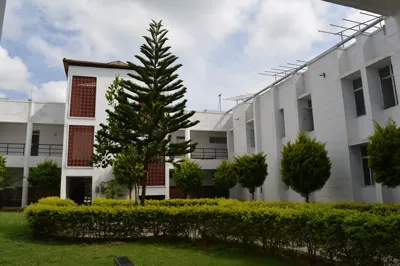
[63,184]
[257,140]
[187,137]
[27,153]
[167,180]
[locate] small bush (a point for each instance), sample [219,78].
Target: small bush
[45,175]
[56,201]
[347,237]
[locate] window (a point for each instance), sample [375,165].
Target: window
[368,180]
[282,122]
[35,143]
[80,145]
[218,140]
[388,86]
[359,97]
[180,139]
[308,117]
[252,141]
[83,97]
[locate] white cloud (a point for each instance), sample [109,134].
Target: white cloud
[14,74]
[221,44]
[53,91]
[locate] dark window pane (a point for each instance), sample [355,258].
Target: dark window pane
[364,151]
[367,173]
[384,72]
[388,93]
[357,84]
[360,104]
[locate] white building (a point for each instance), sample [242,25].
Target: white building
[2,11]
[336,100]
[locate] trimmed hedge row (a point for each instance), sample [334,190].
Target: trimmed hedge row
[346,237]
[56,201]
[376,208]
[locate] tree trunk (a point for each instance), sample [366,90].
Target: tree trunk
[188,196]
[136,188]
[307,197]
[130,193]
[252,195]
[144,184]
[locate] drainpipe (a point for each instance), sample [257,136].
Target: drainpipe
[27,153]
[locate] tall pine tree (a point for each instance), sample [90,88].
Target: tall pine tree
[144,112]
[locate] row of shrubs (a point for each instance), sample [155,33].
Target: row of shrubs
[345,237]
[375,208]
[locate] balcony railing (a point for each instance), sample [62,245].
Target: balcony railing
[36,149]
[209,154]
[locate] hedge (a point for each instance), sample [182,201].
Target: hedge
[56,201]
[346,237]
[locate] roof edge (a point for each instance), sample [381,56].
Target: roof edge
[71,62]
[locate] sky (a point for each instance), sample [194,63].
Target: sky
[223,44]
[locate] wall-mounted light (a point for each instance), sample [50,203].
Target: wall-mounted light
[323,75]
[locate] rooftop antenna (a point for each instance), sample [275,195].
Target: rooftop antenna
[219,103]
[239,98]
[283,70]
[345,32]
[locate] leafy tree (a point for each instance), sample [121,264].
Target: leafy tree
[147,109]
[224,176]
[251,171]
[384,154]
[188,176]
[305,165]
[45,175]
[3,172]
[111,189]
[129,170]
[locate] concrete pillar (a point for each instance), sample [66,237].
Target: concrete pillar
[167,167]
[187,137]
[379,193]
[27,154]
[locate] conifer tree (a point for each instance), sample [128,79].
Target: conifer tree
[147,108]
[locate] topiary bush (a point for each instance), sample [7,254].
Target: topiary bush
[225,177]
[305,165]
[45,175]
[188,176]
[346,237]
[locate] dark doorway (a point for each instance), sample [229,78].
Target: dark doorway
[80,189]
[35,143]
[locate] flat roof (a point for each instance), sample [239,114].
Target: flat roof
[115,64]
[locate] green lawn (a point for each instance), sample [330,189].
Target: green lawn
[18,248]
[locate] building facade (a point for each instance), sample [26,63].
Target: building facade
[2,11]
[337,100]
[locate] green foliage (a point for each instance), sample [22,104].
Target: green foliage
[56,201]
[45,175]
[384,154]
[305,165]
[3,172]
[111,189]
[224,176]
[128,169]
[145,112]
[345,237]
[188,176]
[251,170]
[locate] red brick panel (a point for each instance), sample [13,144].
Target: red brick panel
[83,97]
[80,145]
[156,174]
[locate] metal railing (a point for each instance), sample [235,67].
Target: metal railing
[48,150]
[12,148]
[36,149]
[209,154]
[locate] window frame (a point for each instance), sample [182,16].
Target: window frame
[356,90]
[364,158]
[391,76]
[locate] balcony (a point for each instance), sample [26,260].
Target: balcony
[210,154]
[36,150]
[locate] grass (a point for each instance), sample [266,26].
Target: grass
[18,248]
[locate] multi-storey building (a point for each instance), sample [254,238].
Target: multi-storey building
[337,99]
[2,11]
